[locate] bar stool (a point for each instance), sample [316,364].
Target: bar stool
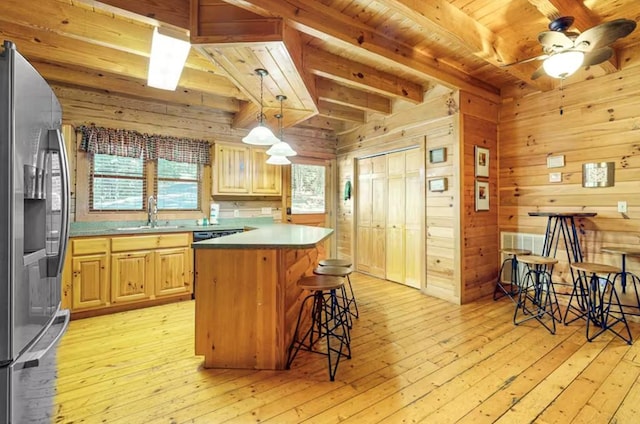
[599,296]
[626,277]
[328,321]
[330,267]
[514,284]
[537,288]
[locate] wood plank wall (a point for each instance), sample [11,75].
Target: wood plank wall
[600,123]
[436,122]
[479,229]
[85,107]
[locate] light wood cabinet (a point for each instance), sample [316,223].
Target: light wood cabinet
[131,276]
[242,171]
[109,272]
[173,273]
[89,273]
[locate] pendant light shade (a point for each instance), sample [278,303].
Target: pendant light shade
[561,65]
[278,160]
[281,148]
[261,135]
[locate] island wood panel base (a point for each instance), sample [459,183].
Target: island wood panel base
[247,304]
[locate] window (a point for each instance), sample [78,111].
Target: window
[178,185]
[117,183]
[307,189]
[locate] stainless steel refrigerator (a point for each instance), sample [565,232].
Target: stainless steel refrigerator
[34,227]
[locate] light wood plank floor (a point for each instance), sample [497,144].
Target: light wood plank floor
[415,359]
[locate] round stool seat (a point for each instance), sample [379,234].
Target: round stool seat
[337,271]
[593,268]
[320,282]
[518,252]
[537,260]
[335,262]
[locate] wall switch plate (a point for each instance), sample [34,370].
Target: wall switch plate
[622,206]
[266,211]
[236,213]
[555,177]
[555,161]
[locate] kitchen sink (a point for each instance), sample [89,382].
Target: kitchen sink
[147,227]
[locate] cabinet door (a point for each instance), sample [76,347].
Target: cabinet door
[173,271]
[131,276]
[232,170]
[265,179]
[90,281]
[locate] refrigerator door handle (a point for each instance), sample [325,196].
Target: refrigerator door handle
[56,143]
[31,358]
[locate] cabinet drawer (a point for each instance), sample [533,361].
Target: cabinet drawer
[127,243]
[90,246]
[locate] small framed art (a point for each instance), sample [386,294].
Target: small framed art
[482,195]
[438,184]
[438,155]
[482,161]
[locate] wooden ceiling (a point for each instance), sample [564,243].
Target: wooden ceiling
[339,62]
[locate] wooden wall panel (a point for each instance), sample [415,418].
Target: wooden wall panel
[600,123]
[480,236]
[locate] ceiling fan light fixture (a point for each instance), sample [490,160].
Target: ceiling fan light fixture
[563,64]
[169,51]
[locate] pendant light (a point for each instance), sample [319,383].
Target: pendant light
[261,135]
[278,160]
[281,148]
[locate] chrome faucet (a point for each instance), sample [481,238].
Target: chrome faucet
[152,211]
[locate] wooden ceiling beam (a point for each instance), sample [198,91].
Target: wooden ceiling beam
[442,17]
[341,112]
[321,21]
[103,81]
[91,27]
[45,46]
[584,20]
[173,12]
[327,65]
[340,94]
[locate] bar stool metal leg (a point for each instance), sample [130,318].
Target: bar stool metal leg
[329,322]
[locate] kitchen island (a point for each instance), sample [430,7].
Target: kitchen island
[246,296]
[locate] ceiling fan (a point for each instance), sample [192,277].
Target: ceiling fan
[566,51]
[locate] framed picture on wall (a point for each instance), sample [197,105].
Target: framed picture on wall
[482,195]
[482,161]
[438,184]
[438,155]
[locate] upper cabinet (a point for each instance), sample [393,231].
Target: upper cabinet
[242,171]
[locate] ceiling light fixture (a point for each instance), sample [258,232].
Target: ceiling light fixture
[563,64]
[261,135]
[278,160]
[281,148]
[169,51]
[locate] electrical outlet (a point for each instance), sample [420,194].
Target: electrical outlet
[236,213]
[555,177]
[622,206]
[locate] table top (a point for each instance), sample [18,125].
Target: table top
[625,250]
[563,214]
[276,236]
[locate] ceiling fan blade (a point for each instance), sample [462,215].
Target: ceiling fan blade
[553,41]
[604,34]
[597,56]
[531,59]
[538,73]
